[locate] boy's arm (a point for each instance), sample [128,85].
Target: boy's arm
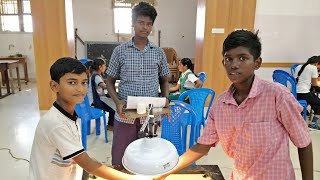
[113,94]
[98,169]
[190,156]
[164,88]
[111,87]
[289,114]
[306,162]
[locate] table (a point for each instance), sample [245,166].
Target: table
[22,60]
[4,73]
[11,64]
[209,172]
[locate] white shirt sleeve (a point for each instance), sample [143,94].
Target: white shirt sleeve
[179,81]
[314,72]
[68,144]
[192,78]
[98,79]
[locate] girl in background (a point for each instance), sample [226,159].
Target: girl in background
[98,86]
[307,77]
[186,81]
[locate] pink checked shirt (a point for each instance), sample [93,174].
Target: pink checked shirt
[256,133]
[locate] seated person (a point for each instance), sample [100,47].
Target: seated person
[186,81]
[57,149]
[98,86]
[307,77]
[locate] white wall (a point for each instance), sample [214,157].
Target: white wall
[175,20]
[20,43]
[94,20]
[289,31]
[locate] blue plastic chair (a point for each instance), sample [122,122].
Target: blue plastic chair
[198,98]
[286,79]
[293,69]
[86,113]
[83,61]
[202,76]
[175,131]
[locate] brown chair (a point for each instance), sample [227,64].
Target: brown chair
[173,62]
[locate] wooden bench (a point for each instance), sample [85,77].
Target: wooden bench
[22,60]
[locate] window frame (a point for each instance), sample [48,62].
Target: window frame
[128,4]
[20,15]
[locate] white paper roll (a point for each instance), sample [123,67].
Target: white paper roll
[141,108]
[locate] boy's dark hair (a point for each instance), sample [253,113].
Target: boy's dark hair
[188,62]
[144,9]
[96,63]
[311,60]
[66,65]
[243,38]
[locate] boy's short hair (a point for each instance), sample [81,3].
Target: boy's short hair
[243,38]
[66,65]
[144,9]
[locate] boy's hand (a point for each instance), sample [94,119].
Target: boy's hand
[166,106]
[162,177]
[120,105]
[164,115]
[167,103]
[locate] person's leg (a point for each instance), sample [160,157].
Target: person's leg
[314,102]
[109,106]
[123,135]
[111,114]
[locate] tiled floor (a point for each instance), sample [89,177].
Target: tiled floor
[19,115]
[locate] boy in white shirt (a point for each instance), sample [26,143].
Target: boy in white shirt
[57,147]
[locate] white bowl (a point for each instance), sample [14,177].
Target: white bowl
[150,156]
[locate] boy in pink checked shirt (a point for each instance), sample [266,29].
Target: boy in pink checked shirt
[253,120]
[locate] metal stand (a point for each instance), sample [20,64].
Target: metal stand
[150,122]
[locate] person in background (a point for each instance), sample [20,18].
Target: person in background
[186,81]
[307,79]
[100,100]
[57,149]
[253,120]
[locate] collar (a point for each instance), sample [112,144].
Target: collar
[149,44]
[184,73]
[254,91]
[73,117]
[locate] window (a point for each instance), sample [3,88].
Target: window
[15,16]
[122,15]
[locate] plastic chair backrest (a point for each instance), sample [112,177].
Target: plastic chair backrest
[293,68]
[172,131]
[197,98]
[202,76]
[285,79]
[82,109]
[83,61]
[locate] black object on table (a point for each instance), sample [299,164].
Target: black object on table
[212,171]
